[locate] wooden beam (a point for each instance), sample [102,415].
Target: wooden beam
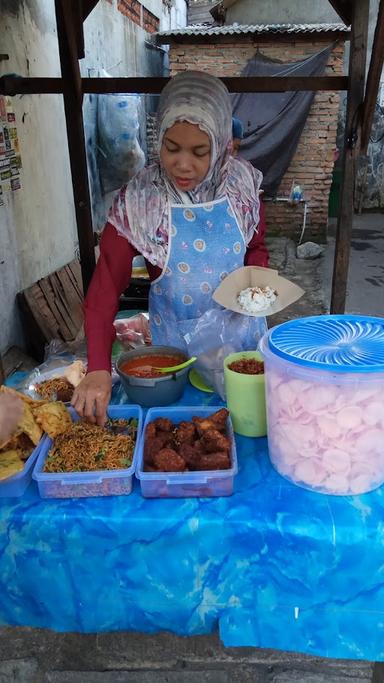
[343,9]
[11,85]
[373,80]
[235,84]
[76,141]
[356,75]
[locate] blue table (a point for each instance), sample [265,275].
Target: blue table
[272,566]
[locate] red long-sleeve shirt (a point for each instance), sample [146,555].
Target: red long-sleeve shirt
[112,276]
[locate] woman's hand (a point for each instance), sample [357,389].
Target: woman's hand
[11,410]
[91,397]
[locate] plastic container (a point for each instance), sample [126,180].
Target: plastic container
[245,396]
[186,484]
[16,485]
[155,391]
[89,484]
[325,402]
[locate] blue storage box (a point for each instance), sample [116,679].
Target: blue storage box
[14,486]
[203,484]
[89,484]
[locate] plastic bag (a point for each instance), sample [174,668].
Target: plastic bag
[134,331]
[120,154]
[214,336]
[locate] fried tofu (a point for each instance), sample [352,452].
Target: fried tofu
[53,418]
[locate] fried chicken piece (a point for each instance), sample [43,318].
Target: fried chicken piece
[164,424]
[150,430]
[167,460]
[191,454]
[220,418]
[154,444]
[215,421]
[185,432]
[214,441]
[213,461]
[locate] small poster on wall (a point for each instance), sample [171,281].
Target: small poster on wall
[10,159]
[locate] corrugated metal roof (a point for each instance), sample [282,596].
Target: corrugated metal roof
[236,29]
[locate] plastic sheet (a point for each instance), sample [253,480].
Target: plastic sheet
[214,336]
[120,153]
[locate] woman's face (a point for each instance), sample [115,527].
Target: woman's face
[185,155]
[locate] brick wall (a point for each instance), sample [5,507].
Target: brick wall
[312,165]
[136,12]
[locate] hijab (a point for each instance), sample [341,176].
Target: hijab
[141,211]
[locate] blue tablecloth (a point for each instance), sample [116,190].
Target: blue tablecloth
[272,566]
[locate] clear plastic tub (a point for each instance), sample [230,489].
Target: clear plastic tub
[210,483]
[89,484]
[325,402]
[16,485]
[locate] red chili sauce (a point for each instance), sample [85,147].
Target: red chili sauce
[247,366]
[143,366]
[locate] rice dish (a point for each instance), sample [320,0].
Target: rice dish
[255,299]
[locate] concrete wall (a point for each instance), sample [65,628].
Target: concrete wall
[281,12]
[37,223]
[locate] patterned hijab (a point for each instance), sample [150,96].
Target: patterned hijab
[141,210]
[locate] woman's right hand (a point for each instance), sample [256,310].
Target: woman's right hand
[91,397]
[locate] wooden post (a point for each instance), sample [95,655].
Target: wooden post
[68,37]
[356,75]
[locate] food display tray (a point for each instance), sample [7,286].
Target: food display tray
[15,485]
[89,484]
[208,483]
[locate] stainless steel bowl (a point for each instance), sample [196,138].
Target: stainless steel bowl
[153,391]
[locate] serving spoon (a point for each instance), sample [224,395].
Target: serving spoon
[173,368]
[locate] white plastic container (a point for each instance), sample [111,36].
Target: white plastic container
[325,402]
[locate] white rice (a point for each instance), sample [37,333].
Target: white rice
[255,299]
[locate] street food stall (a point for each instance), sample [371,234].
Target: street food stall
[277,551]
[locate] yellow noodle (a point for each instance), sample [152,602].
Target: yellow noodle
[85,448]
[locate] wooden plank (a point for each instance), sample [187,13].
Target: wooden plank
[70,299]
[10,85]
[74,273]
[37,305]
[76,144]
[357,62]
[61,298]
[373,80]
[55,310]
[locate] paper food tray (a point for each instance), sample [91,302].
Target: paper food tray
[255,276]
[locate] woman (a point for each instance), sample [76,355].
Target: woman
[193,216]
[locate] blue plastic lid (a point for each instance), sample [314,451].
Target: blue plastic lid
[341,343]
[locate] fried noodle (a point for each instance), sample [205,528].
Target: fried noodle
[86,447]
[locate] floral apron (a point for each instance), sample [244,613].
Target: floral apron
[205,245]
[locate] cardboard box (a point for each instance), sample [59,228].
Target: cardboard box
[255,276]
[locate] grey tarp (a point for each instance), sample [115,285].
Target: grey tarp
[273,122]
